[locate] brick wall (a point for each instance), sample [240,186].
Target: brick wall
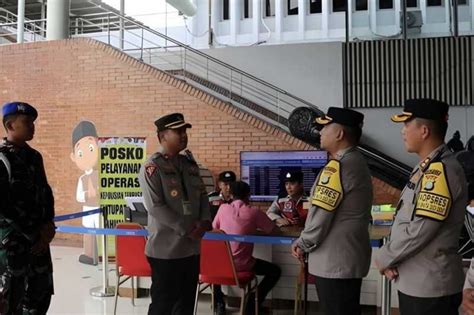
[79,79]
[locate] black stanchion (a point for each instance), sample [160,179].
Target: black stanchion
[305,303]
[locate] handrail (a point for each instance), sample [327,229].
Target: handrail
[403,169]
[187,47]
[12,21]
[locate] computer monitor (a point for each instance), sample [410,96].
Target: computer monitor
[265,171]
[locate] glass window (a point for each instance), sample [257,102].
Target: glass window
[385,4]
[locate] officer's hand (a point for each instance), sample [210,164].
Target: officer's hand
[294,221]
[468,302]
[297,252]
[282,222]
[391,273]
[198,229]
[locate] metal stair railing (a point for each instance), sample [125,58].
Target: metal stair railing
[195,67]
[33,31]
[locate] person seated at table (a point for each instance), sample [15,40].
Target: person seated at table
[242,219]
[293,208]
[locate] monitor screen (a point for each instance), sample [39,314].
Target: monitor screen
[265,171]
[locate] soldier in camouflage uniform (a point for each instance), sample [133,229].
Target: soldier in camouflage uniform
[26,217]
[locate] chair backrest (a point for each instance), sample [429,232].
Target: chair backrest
[130,252]
[217,261]
[469,225]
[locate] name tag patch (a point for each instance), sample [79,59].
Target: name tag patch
[434,199]
[328,191]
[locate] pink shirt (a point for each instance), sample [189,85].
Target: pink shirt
[239,218]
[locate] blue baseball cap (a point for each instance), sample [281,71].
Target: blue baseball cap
[15,108]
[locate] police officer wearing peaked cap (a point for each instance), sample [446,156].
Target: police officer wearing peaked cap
[421,255]
[336,233]
[178,217]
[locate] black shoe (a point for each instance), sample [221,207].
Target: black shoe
[84,259]
[220,308]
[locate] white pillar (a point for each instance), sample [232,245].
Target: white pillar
[196,41]
[372,16]
[215,16]
[122,24]
[257,16]
[278,19]
[20,23]
[472,14]
[398,14]
[43,17]
[234,20]
[302,17]
[325,18]
[349,10]
[57,19]
[448,8]
[423,11]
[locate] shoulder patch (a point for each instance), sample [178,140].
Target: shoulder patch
[150,168]
[434,199]
[328,191]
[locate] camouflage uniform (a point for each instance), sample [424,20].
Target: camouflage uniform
[26,204]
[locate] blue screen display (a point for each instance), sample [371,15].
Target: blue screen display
[265,171]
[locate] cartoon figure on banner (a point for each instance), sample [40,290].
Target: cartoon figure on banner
[85,154]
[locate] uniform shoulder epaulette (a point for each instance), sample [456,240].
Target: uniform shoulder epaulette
[156,156]
[189,156]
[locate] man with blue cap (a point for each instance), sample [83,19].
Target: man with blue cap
[26,217]
[421,256]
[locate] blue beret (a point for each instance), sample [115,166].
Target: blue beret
[13,108]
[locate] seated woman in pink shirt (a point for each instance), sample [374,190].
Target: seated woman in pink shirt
[241,218]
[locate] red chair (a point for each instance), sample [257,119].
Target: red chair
[217,268]
[130,258]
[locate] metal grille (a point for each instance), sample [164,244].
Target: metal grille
[385,73]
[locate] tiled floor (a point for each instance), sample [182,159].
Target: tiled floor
[74,280]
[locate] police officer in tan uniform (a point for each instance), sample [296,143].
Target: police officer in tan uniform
[421,255]
[336,232]
[178,216]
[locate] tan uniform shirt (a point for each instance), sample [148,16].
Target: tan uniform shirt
[424,249]
[175,197]
[338,241]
